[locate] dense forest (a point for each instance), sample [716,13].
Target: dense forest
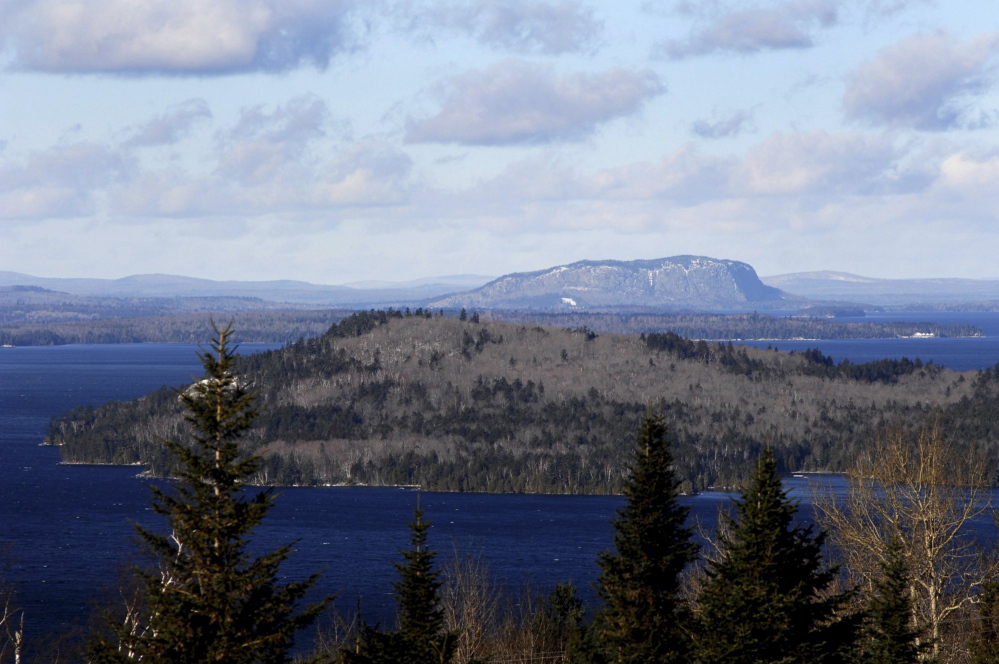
[32,316]
[736,326]
[256,326]
[472,405]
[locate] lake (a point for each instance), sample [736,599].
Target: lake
[958,354]
[70,532]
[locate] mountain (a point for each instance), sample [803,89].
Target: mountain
[679,282]
[285,291]
[846,287]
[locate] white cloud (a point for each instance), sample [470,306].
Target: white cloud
[298,121]
[742,30]
[819,163]
[800,182]
[368,174]
[170,126]
[685,177]
[723,127]
[785,165]
[63,181]
[264,144]
[520,26]
[520,102]
[927,81]
[967,190]
[273,161]
[276,160]
[176,36]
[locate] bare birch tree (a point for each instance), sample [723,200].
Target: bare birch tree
[11,630]
[11,617]
[917,489]
[470,601]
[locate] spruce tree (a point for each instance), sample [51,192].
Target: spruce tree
[421,637]
[207,600]
[767,597]
[889,634]
[421,621]
[643,618]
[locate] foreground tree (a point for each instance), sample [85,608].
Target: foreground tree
[767,598]
[890,636]
[924,494]
[644,619]
[421,637]
[11,617]
[985,644]
[208,600]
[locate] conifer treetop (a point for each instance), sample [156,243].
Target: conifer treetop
[207,600]
[766,597]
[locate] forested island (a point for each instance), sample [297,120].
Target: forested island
[465,404]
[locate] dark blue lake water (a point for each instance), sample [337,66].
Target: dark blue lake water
[958,354]
[70,529]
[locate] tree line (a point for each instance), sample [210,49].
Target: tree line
[257,326]
[743,326]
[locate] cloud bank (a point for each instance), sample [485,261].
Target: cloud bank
[926,82]
[521,102]
[752,30]
[518,26]
[176,36]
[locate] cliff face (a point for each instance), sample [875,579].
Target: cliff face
[691,282]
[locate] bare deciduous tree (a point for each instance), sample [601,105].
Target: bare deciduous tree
[11,617]
[12,626]
[917,489]
[469,602]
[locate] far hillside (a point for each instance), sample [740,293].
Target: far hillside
[35,316]
[470,405]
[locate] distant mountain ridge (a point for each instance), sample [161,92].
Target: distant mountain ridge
[285,290]
[843,286]
[677,282]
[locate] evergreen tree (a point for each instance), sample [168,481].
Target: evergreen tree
[420,638]
[985,646]
[766,598]
[421,621]
[208,600]
[889,634]
[644,619]
[557,623]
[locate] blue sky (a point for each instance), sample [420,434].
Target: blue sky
[344,140]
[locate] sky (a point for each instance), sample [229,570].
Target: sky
[336,141]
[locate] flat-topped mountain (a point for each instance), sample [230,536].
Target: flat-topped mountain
[679,282]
